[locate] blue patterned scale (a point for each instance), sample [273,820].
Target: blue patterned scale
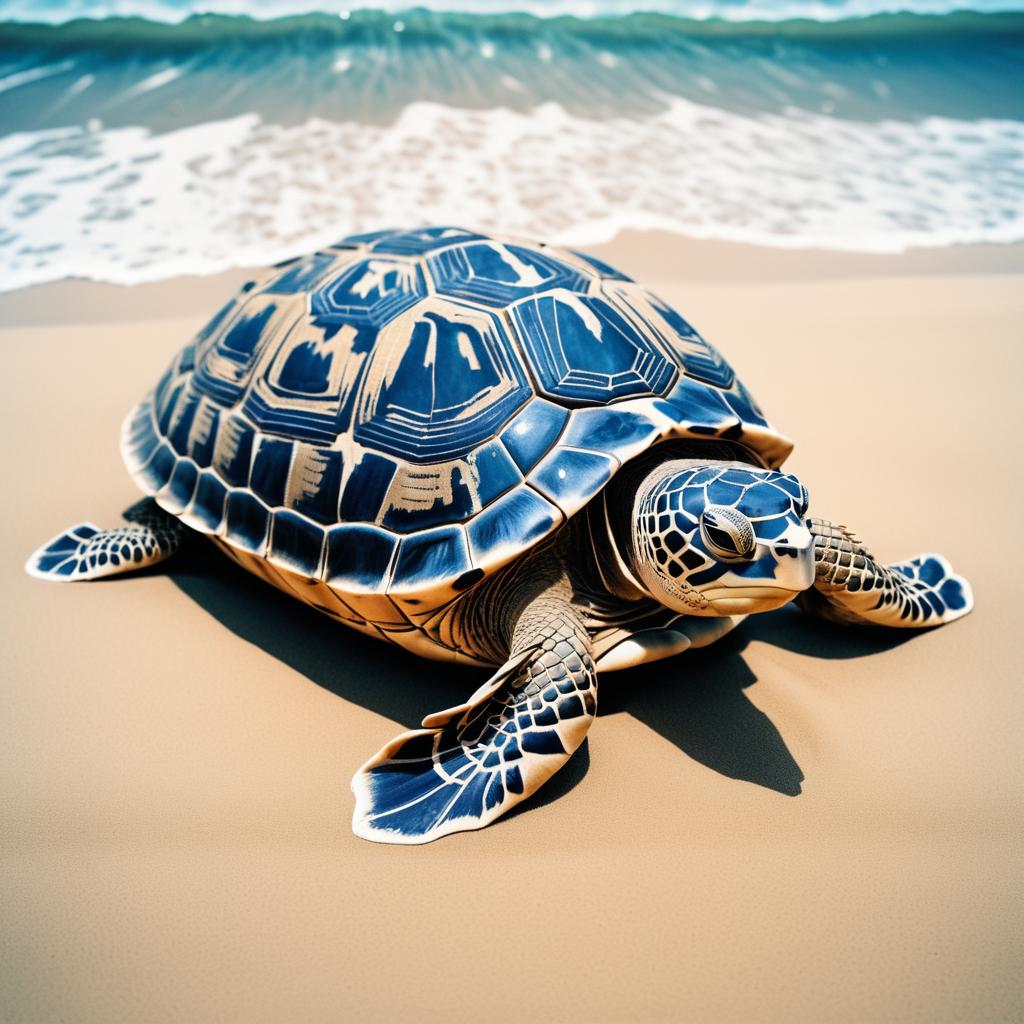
[406,410]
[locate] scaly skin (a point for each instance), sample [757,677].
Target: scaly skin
[850,586]
[474,762]
[85,552]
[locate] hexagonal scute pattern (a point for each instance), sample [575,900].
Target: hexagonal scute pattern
[443,379]
[585,351]
[404,411]
[499,273]
[369,292]
[416,243]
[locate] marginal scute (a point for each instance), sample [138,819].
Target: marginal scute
[207,509]
[431,558]
[181,486]
[157,470]
[531,434]
[569,477]
[248,522]
[614,428]
[296,544]
[359,557]
[521,517]
[695,403]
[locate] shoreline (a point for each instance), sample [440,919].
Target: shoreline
[649,256]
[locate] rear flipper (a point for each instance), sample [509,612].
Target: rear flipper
[473,763]
[850,586]
[85,552]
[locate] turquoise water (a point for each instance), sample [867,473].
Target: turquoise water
[134,148]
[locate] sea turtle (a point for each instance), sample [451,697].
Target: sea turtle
[493,452]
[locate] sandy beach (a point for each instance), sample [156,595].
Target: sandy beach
[801,823]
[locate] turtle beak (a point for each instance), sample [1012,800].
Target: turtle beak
[791,558]
[794,552]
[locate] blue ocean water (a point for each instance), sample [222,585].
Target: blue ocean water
[141,139]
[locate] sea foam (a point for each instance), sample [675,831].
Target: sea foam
[127,205]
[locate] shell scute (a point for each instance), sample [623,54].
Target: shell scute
[612,428]
[520,517]
[530,436]
[233,454]
[568,476]
[314,483]
[586,352]
[207,509]
[403,412]
[302,275]
[499,273]
[366,488]
[697,357]
[248,522]
[223,369]
[268,477]
[430,560]
[359,557]
[181,486]
[369,292]
[442,380]
[417,243]
[296,544]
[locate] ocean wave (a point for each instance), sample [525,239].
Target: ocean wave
[129,205]
[139,73]
[58,11]
[209,28]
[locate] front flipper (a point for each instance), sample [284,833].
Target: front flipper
[86,552]
[850,586]
[477,761]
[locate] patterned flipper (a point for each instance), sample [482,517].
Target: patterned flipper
[850,586]
[85,552]
[474,762]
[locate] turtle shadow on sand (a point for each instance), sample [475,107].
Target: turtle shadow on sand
[697,701]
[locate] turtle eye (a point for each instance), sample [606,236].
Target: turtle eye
[727,533]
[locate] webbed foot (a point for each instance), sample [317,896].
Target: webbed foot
[472,763]
[850,586]
[85,552]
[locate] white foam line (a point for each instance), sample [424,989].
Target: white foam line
[126,205]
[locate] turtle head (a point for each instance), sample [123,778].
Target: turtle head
[721,539]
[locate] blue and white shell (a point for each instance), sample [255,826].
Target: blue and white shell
[401,414]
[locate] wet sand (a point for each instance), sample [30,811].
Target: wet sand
[800,823]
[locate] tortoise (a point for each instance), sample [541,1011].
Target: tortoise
[492,452]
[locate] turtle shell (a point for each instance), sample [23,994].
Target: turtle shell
[403,413]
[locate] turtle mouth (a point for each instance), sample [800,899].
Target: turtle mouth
[737,600]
